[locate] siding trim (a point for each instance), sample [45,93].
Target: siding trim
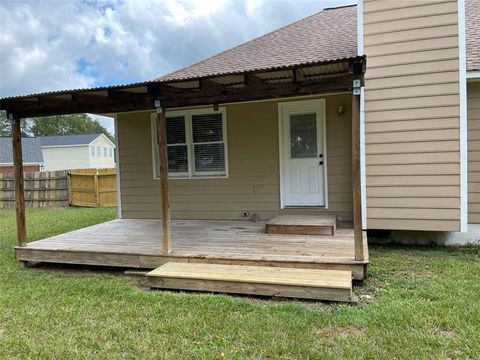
[117,160]
[363,169]
[463,118]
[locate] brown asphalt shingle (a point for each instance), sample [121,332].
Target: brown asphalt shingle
[327,35]
[472,34]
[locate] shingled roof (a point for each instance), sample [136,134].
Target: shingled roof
[325,36]
[472,30]
[31,151]
[68,140]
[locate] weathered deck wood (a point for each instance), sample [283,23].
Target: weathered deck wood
[332,285]
[138,244]
[302,224]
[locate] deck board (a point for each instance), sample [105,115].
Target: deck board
[139,243]
[255,274]
[302,224]
[330,285]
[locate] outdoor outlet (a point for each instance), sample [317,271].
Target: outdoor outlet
[245,214]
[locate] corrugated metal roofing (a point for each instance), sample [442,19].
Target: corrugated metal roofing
[31,150]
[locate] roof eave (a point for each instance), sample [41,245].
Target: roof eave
[141,96]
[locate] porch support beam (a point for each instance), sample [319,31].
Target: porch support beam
[19,184]
[211,92]
[163,159]
[357,202]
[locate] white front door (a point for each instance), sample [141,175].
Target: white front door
[302,132]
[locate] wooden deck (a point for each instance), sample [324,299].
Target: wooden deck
[138,244]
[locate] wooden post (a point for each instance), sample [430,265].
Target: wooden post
[97,190]
[19,186]
[163,160]
[357,200]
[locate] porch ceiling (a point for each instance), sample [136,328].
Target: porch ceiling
[303,79]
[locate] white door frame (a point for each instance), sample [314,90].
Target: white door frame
[314,104]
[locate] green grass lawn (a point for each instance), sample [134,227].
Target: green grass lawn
[418,303]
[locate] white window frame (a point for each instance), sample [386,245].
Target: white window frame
[191,174]
[92,150]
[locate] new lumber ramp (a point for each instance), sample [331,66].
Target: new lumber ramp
[298,224]
[331,285]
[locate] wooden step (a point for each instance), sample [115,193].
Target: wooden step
[331,285]
[298,224]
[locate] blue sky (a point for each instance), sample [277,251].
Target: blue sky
[61,44]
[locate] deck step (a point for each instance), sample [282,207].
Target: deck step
[331,285]
[297,224]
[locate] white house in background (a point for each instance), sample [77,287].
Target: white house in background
[77,152]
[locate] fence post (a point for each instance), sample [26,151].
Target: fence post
[69,187]
[97,190]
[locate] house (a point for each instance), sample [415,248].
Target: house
[64,152]
[355,118]
[32,155]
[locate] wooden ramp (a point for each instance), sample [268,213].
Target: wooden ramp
[331,285]
[298,224]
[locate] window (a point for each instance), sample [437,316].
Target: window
[196,144]
[105,151]
[99,151]
[92,150]
[110,152]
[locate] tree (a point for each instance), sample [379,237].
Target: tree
[75,124]
[6,126]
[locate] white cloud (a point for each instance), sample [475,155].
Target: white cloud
[54,45]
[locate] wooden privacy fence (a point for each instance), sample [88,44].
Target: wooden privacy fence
[79,187]
[42,189]
[93,187]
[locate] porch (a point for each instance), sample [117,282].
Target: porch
[144,146]
[137,243]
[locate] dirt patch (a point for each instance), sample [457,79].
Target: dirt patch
[341,332]
[449,334]
[369,289]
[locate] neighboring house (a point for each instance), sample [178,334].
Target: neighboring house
[66,152]
[368,113]
[31,151]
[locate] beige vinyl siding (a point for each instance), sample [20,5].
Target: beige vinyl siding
[412,112]
[473,115]
[253,156]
